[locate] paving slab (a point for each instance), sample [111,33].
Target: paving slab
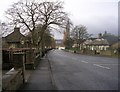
[40,79]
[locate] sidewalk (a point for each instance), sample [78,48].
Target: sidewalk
[40,79]
[28,73]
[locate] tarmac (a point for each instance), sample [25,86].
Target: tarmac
[40,78]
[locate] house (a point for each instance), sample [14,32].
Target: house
[4,43]
[14,40]
[85,44]
[116,47]
[96,45]
[19,43]
[78,44]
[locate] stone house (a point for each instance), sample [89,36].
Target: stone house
[18,42]
[116,47]
[14,40]
[97,45]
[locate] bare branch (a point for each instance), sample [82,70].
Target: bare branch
[35,13]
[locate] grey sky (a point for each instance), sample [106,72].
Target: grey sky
[96,15]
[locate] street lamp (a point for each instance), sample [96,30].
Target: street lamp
[23,60]
[22,42]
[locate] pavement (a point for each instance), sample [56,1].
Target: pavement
[40,78]
[28,74]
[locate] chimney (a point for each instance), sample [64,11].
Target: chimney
[100,35]
[16,29]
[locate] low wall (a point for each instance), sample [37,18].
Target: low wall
[107,53]
[12,80]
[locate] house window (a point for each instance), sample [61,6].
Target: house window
[104,47]
[92,47]
[12,46]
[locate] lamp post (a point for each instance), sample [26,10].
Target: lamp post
[22,42]
[23,60]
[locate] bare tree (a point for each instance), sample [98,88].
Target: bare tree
[5,28]
[32,14]
[80,34]
[49,40]
[67,41]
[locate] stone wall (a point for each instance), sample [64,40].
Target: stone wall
[12,80]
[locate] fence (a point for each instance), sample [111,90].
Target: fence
[12,80]
[15,77]
[18,59]
[9,59]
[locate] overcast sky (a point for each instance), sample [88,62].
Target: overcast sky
[96,15]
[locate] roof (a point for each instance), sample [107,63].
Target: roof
[15,36]
[87,42]
[92,39]
[96,42]
[4,42]
[99,42]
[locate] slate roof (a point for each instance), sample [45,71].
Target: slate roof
[96,42]
[87,42]
[99,42]
[4,42]
[15,36]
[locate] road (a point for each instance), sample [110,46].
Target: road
[82,72]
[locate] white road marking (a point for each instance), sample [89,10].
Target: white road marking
[101,66]
[84,61]
[109,64]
